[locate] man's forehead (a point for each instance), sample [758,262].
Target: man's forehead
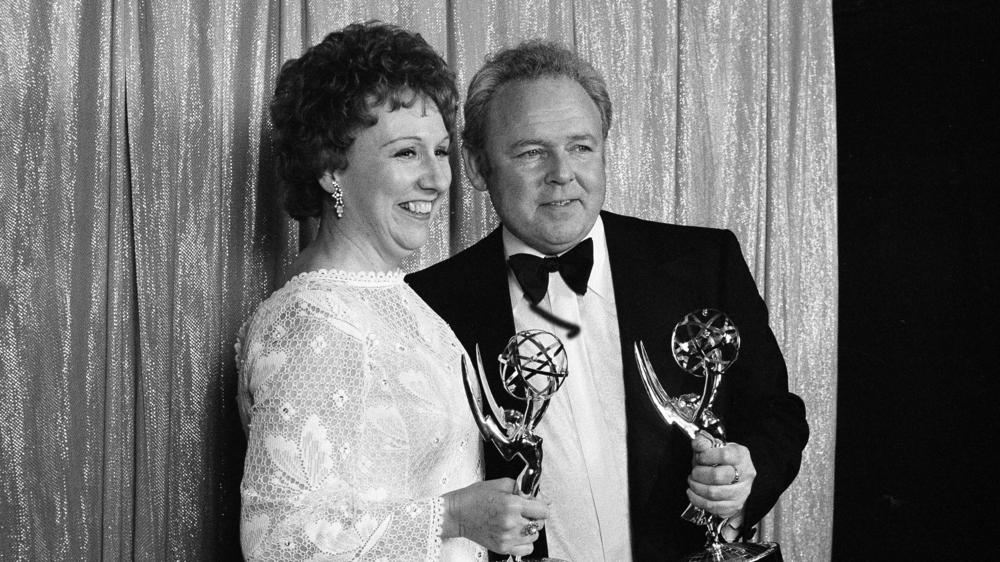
[548,105]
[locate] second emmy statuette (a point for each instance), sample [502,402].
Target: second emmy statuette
[705,343]
[533,366]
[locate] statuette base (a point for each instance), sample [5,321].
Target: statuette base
[734,552]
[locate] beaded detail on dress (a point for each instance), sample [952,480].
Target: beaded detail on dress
[350,392]
[367,278]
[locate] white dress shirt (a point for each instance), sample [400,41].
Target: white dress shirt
[584,467]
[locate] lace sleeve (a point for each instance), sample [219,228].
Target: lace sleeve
[321,479]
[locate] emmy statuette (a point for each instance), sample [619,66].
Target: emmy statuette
[533,366]
[705,343]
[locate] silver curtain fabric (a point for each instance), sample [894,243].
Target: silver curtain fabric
[140,226]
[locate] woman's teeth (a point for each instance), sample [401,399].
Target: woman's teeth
[418,207]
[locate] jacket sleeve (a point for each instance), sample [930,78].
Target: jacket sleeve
[762,414]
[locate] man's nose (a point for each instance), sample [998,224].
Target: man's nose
[560,170]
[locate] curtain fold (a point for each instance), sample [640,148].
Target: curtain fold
[141,225]
[59,162]
[796,258]
[117,435]
[207,242]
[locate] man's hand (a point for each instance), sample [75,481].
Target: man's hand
[490,514]
[721,477]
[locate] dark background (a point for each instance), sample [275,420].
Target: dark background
[916,477]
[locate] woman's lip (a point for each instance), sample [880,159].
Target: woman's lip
[418,208]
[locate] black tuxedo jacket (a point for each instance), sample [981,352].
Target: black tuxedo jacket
[660,273]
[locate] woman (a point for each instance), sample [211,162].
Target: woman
[361,445]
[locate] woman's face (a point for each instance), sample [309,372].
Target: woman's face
[396,177]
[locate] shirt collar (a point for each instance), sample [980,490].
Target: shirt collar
[600,275]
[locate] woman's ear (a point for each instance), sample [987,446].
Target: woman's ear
[327,182]
[330,185]
[473,170]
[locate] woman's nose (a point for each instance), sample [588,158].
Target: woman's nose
[437,175]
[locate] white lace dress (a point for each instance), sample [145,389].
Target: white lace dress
[351,394]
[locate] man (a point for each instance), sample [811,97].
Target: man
[537,118]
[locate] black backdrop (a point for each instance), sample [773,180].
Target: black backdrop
[916,103]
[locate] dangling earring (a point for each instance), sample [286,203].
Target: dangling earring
[338,199]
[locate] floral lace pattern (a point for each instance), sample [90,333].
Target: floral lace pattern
[356,419]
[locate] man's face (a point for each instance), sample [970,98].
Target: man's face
[546,155]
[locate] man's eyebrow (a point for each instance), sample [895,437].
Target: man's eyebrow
[520,143]
[525,142]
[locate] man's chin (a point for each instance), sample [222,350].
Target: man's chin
[550,237]
[559,244]
[567,234]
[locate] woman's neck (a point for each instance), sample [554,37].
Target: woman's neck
[338,248]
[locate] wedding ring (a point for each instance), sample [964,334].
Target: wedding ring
[736,477]
[530,529]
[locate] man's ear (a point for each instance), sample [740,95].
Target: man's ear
[473,171]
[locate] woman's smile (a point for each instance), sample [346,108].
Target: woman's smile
[420,209]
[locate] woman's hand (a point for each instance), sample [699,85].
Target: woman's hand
[490,514]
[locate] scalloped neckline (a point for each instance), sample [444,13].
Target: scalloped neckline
[358,277]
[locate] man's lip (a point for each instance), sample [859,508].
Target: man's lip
[559,202]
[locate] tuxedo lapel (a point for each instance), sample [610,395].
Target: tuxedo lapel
[494,323]
[646,312]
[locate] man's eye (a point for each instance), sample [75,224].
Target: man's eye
[583,148]
[531,153]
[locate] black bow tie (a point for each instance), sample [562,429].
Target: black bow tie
[532,272]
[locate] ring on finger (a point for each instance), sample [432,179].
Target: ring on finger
[530,529]
[736,477]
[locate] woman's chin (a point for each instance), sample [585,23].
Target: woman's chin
[407,245]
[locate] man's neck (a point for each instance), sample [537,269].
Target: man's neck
[512,244]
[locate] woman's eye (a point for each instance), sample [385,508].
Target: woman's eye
[406,153]
[442,152]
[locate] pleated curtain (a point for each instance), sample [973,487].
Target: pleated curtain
[140,225]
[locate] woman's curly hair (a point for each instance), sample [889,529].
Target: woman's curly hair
[323,98]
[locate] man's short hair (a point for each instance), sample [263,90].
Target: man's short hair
[529,60]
